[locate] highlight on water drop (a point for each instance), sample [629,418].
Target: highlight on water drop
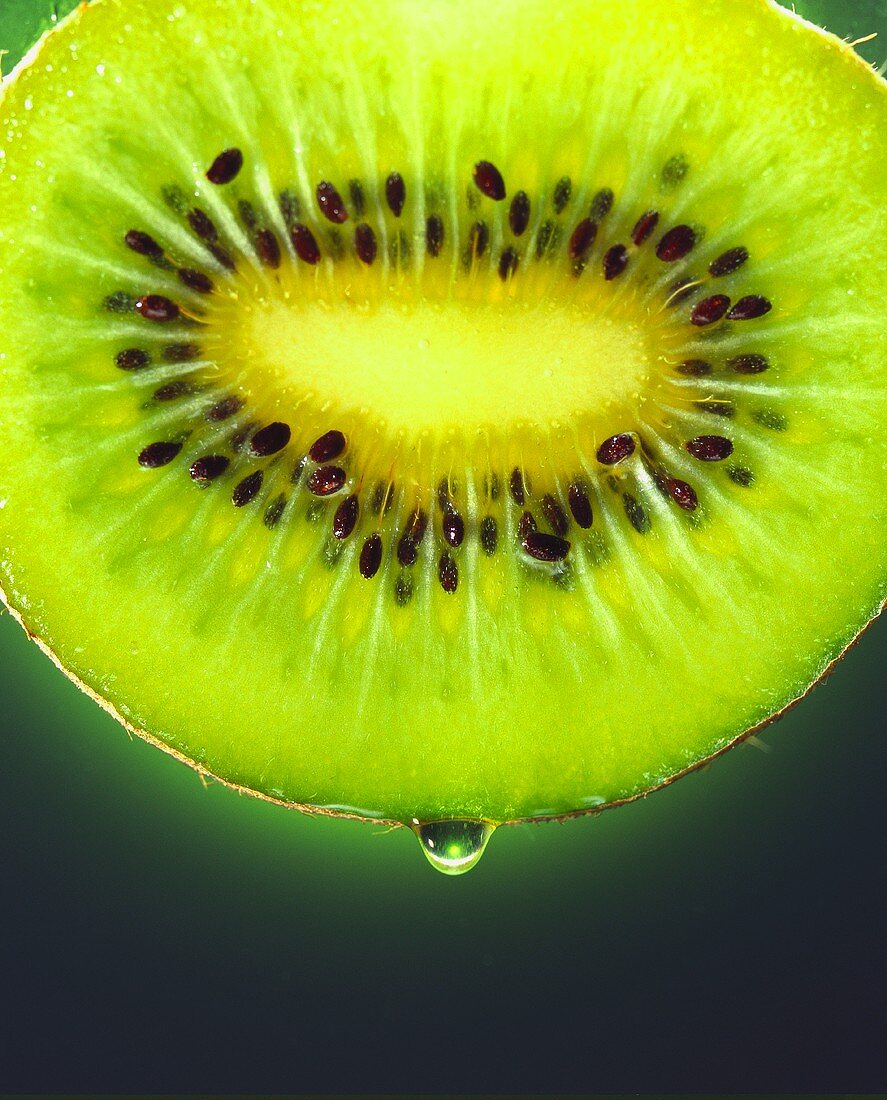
[454,845]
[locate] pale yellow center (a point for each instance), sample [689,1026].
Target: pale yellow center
[428,364]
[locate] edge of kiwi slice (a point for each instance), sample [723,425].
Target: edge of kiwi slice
[621,538]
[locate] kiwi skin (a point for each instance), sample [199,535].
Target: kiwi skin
[207,776]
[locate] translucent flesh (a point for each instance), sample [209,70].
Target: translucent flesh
[260,652]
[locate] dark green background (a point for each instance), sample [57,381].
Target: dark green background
[725,934]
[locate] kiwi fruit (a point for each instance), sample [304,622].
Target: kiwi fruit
[445,414]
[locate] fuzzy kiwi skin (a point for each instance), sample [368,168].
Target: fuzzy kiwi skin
[198,766]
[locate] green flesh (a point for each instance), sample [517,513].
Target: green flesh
[257,650]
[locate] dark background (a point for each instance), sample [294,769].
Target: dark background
[725,934]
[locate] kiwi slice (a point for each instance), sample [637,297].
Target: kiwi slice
[443,414]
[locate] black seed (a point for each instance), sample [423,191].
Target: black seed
[601,204]
[443,494]
[225,167]
[417,524]
[329,446]
[682,494]
[710,448]
[346,517]
[315,511]
[154,307]
[290,208]
[365,243]
[676,244]
[728,262]
[403,590]
[331,203]
[448,573]
[508,262]
[175,198]
[680,290]
[562,191]
[660,481]
[173,390]
[196,280]
[545,238]
[120,302]
[407,550]
[222,256]
[519,213]
[181,353]
[143,244]
[203,225]
[208,467]
[709,310]
[526,525]
[582,238]
[399,249]
[580,505]
[644,226]
[267,248]
[395,193]
[371,556]
[453,528]
[434,235]
[545,547]
[478,239]
[674,170]
[240,437]
[615,449]
[332,551]
[247,214]
[489,535]
[742,475]
[750,307]
[246,490]
[132,359]
[326,480]
[378,499]
[270,439]
[716,408]
[488,180]
[695,368]
[516,485]
[305,244]
[355,190]
[274,511]
[615,261]
[336,245]
[637,517]
[158,454]
[298,470]
[555,515]
[774,421]
[224,409]
[748,364]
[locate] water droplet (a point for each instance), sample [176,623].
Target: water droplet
[454,846]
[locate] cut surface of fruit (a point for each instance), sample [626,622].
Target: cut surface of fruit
[450,411]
